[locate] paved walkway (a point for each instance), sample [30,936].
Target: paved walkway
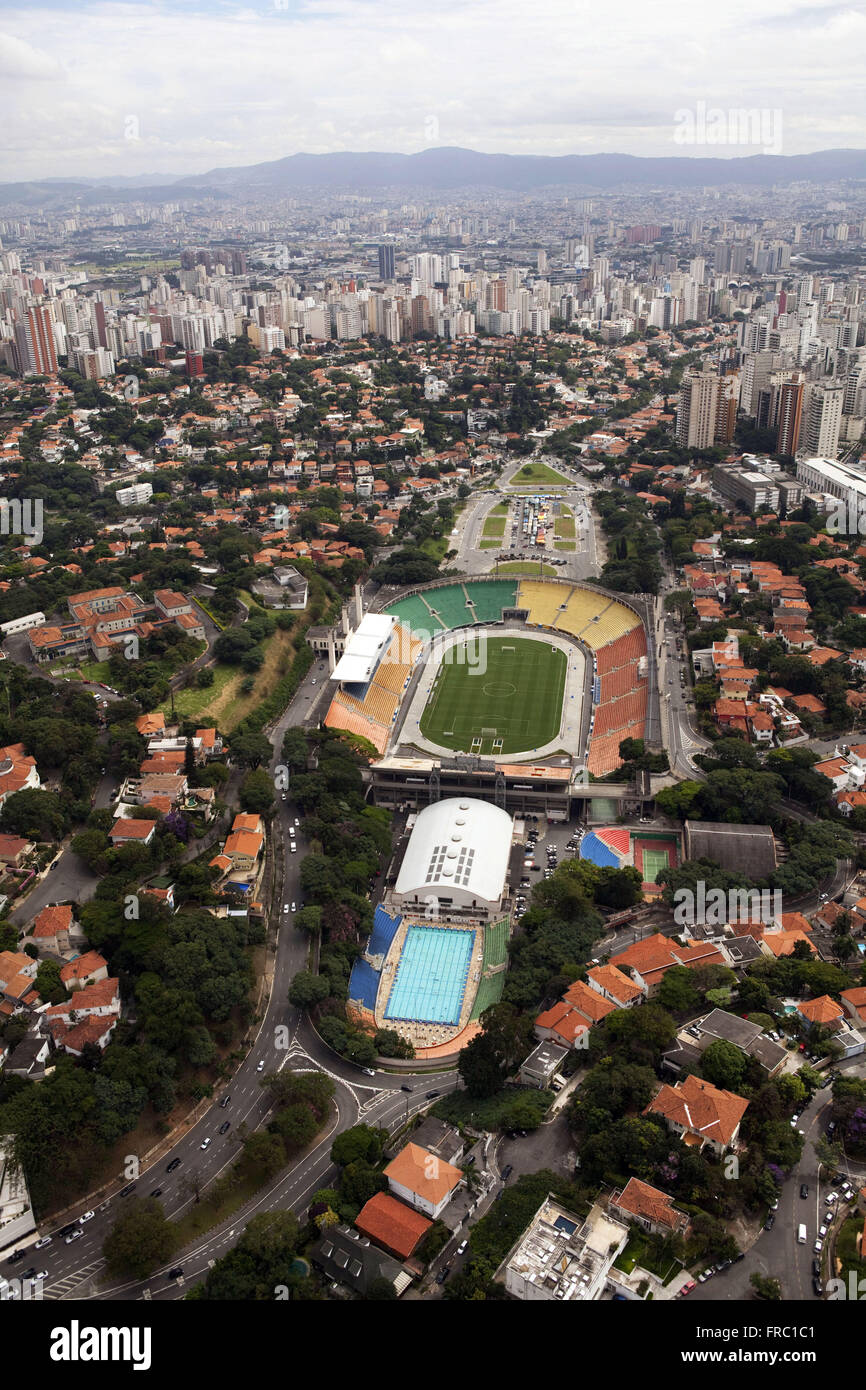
[572,701]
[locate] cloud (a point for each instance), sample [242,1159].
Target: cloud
[241,83]
[22,61]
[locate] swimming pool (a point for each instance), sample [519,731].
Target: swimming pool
[431,975]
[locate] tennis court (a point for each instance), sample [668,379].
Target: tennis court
[509,705]
[431,975]
[654,860]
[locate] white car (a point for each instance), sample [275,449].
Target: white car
[41,1244]
[285,907]
[293,847]
[832,1197]
[205,1143]
[260,1067]
[297,822]
[822,1232]
[88,1216]
[818,1246]
[291,832]
[294,909]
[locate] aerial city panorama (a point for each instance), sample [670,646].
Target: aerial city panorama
[432,672]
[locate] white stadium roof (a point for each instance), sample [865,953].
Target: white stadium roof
[462,844]
[364,649]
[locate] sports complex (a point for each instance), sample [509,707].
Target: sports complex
[484,700]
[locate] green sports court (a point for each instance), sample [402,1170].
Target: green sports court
[509,703]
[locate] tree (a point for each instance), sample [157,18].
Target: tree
[724,1065]
[257,792]
[141,1239]
[359,1142]
[766,1288]
[307,990]
[480,1067]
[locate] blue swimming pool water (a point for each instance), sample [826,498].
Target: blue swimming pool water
[431,975]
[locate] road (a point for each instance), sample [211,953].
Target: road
[285,1037]
[777,1253]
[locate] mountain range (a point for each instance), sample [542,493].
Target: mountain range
[444,168]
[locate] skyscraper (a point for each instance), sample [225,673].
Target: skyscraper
[822,419]
[386,261]
[34,342]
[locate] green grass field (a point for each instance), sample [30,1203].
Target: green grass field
[537,474]
[519,694]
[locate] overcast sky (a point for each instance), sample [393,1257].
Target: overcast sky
[212,84]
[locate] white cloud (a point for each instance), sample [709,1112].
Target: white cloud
[219,84]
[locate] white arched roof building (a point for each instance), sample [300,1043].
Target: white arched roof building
[457,857]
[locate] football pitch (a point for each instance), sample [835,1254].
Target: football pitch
[511,703]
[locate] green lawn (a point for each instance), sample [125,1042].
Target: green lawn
[564,545]
[530,567]
[563,525]
[193,701]
[517,692]
[95,671]
[501,509]
[489,544]
[537,474]
[494,526]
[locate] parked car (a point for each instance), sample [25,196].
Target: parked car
[260,1066]
[14,1258]
[804,1189]
[205,1144]
[86,1216]
[41,1244]
[225,1127]
[507,1171]
[462,1247]
[157,1192]
[74,1235]
[170,1167]
[770,1221]
[226,1100]
[125,1191]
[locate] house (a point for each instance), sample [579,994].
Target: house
[127,831]
[393,1225]
[346,1257]
[423,1180]
[700,1113]
[13,848]
[51,928]
[821,1012]
[84,970]
[542,1065]
[649,1208]
[17,771]
[854,1003]
[29,1057]
[242,848]
[646,962]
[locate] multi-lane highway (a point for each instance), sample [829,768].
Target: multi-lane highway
[285,1037]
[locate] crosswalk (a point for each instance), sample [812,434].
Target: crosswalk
[64,1287]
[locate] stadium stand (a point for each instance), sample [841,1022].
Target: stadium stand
[597,852]
[542,600]
[620,682]
[364,984]
[489,992]
[414,614]
[604,753]
[488,600]
[615,621]
[450,604]
[582,607]
[385,928]
[344,714]
[496,944]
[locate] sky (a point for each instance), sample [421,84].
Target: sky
[101,88]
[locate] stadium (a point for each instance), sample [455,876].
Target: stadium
[509,690]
